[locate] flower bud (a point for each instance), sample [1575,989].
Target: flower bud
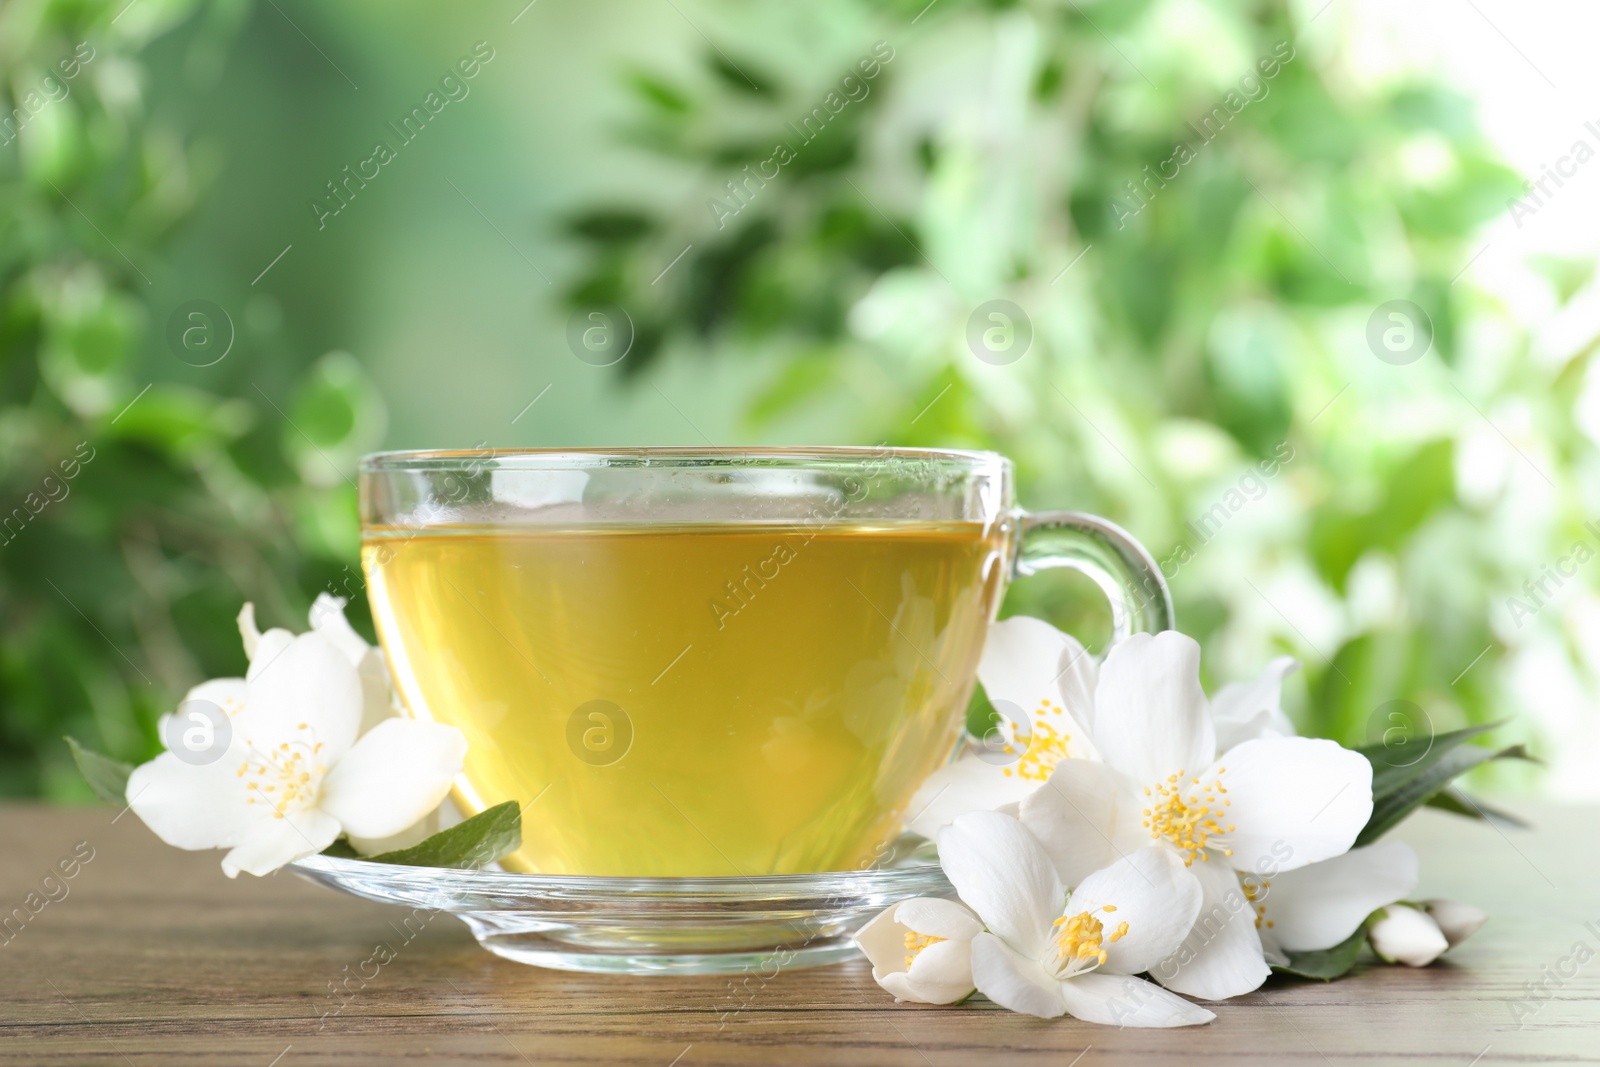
[1405,935]
[895,943]
[1457,921]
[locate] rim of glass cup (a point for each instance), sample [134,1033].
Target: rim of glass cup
[443,487]
[520,458]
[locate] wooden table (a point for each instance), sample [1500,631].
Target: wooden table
[153,957]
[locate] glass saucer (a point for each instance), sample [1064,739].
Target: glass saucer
[650,925]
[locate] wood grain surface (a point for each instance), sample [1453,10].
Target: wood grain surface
[151,956]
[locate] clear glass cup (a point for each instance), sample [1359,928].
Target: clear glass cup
[706,663]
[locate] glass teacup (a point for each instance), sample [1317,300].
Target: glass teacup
[706,662]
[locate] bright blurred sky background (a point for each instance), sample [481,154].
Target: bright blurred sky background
[1530,68]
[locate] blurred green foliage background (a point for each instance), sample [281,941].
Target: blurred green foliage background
[1199,366]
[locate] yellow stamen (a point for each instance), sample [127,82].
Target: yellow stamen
[1188,819]
[1256,893]
[916,942]
[1046,747]
[291,770]
[1081,939]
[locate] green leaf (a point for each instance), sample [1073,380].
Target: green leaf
[981,716]
[1417,487]
[1245,369]
[1393,765]
[744,76]
[1327,964]
[474,843]
[106,776]
[1455,801]
[326,405]
[611,225]
[1432,108]
[1398,789]
[182,420]
[335,415]
[660,92]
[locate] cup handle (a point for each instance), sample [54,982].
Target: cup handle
[1122,567]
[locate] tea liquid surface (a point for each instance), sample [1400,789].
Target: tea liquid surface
[691,700]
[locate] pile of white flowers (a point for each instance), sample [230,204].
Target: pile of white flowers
[313,750]
[1139,828]
[1131,826]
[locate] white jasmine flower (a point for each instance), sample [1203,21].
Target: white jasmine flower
[1049,678]
[1245,711]
[1269,804]
[1048,953]
[1320,905]
[377,699]
[294,774]
[1402,934]
[327,619]
[1030,665]
[1457,921]
[921,950]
